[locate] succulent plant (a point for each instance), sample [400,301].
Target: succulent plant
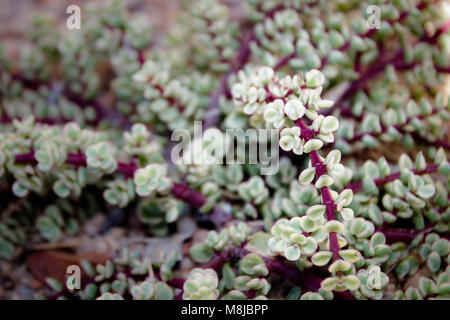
[358,205]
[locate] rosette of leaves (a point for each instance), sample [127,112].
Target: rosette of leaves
[158,213]
[119,192]
[152,179]
[162,89]
[152,290]
[138,143]
[101,156]
[250,282]
[373,281]
[254,191]
[234,235]
[297,237]
[229,176]
[342,276]
[201,284]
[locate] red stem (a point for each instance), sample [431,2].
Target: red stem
[402,235]
[327,199]
[357,186]
[179,191]
[289,272]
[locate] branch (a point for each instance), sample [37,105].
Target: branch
[402,235]
[179,191]
[358,186]
[289,272]
[327,199]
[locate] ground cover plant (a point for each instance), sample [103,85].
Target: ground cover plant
[355,111]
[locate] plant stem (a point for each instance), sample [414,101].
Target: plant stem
[327,199]
[358,186]
[179,191]
[289,272]
[402,235]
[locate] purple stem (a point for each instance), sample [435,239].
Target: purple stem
[179,191]
[402,235]
[358,186]
[289,272]
[327,199]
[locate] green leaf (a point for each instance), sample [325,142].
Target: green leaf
[434,261]
[307,176]
[351,282]
[441,246]
[48,228]
[374,213]
[313,144]
[316,212]
[6,249]
[163,291]
[201,253]
[54,284]
[314,78]
[228,276]
[292,253]
[321,258]
[334,226]
[324,181]
[19,189]
[330,123]
[402,268]
[426,191]
[339,265]
[294,109]
[294,294]
[328,284]
[350,255]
